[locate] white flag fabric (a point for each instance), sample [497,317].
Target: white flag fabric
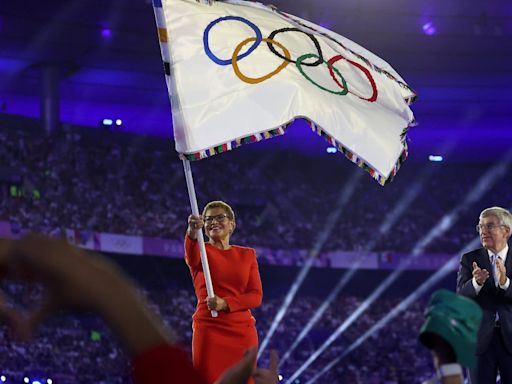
[239,72]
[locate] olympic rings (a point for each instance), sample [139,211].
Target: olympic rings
[286,56]
[331,68]
[313,38]
[367,73]
[257,80]
[206,34]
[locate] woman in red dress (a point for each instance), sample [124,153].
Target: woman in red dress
[218,343]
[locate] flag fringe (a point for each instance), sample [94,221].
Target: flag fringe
[354,158]
[232,144]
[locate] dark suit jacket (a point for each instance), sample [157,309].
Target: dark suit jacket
[491,299]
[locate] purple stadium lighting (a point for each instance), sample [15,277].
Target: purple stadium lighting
[444,224]
[323,235]
[429,28]
[106,33]
[412,298]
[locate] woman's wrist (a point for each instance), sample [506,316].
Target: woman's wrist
[191,233]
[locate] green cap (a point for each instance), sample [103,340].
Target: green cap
[456,319]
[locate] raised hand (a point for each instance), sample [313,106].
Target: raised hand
[194,223]
[76,280]
[480,275]
[501,272]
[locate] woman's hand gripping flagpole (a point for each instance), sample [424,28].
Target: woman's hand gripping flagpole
[200,237]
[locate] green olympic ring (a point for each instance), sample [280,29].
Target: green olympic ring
[312,55]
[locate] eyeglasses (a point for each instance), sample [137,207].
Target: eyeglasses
[488,227]
[219,218]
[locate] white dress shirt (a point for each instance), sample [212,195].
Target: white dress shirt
[501,254]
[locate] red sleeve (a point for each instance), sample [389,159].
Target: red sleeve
[164,364]
[192,254]
[253,294]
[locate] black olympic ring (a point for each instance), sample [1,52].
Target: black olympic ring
[313,39]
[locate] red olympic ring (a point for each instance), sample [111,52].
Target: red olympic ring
[367,73]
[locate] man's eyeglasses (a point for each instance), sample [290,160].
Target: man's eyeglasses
[488,227]
[218,218]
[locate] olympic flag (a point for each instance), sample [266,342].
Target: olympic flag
[239,72]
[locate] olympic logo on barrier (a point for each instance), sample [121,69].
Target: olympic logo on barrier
[300,62]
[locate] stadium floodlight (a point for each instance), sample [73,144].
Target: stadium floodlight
[402,306]
[36,382]
[483,185]
[111,122]
[106,33]
[390,219]
[49,381]
[3,378]
[323,236]
[444,224]
[26,380]
[331,150]
[435,158]
[429,28]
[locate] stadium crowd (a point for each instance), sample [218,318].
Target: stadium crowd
[134,185]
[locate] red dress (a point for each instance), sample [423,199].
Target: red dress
[218,343]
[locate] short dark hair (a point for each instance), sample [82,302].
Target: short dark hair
[220,204]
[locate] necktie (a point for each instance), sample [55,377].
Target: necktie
[494,274]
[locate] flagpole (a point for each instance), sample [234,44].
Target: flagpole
[199,232]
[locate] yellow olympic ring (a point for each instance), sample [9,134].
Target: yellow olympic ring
[251,80]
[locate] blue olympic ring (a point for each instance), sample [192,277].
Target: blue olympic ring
[206,34]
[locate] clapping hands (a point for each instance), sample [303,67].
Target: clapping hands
[480,275]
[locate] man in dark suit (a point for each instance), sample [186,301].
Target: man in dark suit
[484,275]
